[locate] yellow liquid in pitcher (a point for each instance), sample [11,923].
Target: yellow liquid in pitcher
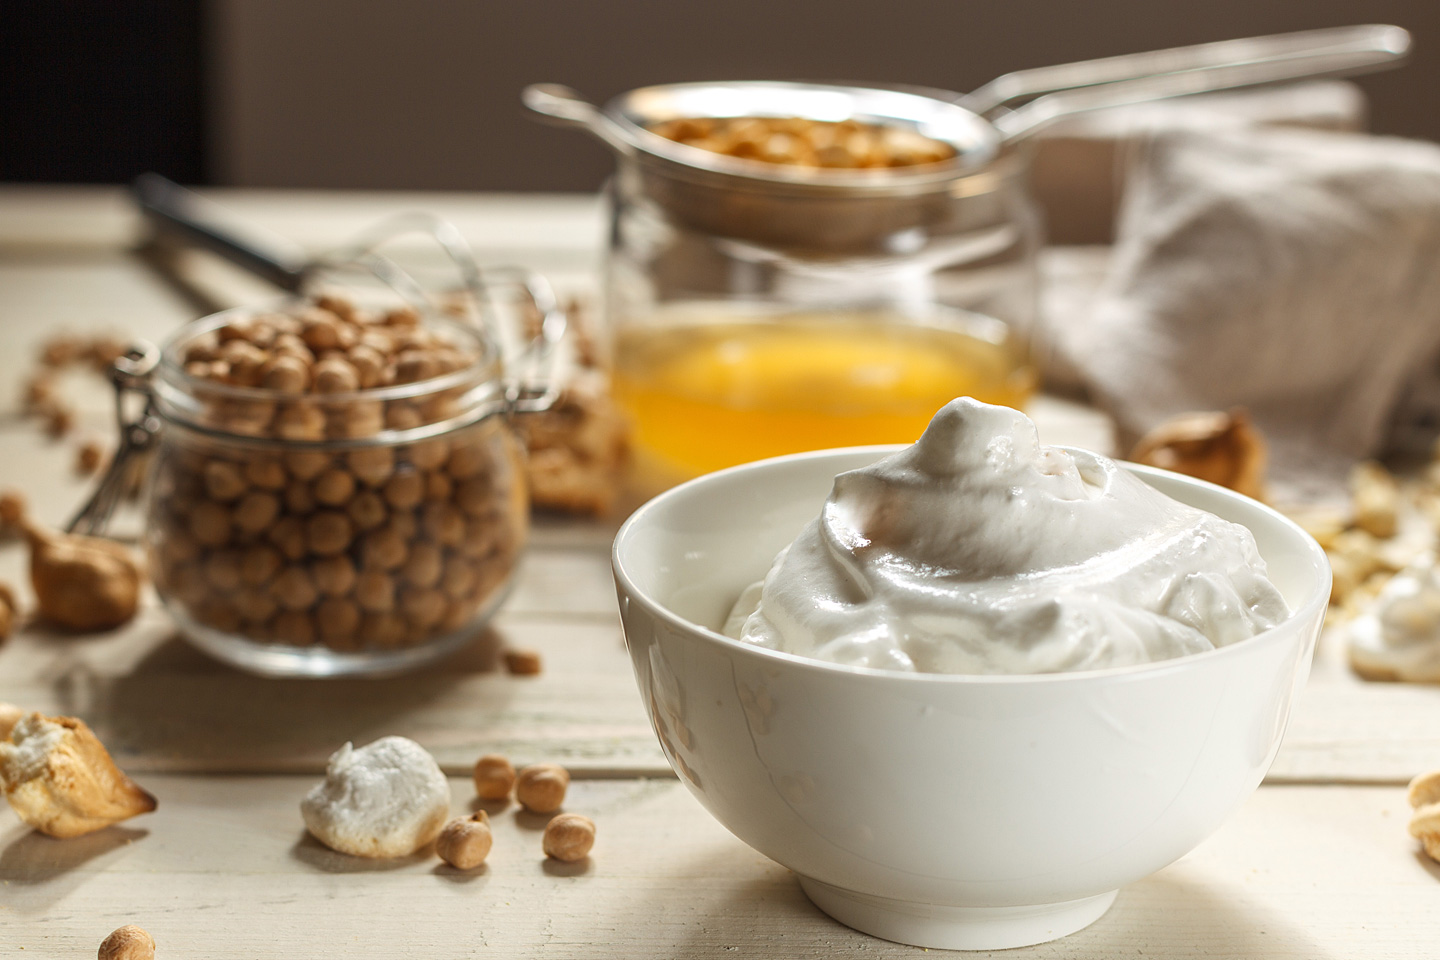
[703,396]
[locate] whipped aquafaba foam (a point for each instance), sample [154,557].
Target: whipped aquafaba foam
[979,551]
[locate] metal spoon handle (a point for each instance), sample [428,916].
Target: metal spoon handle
[1257,60]
[568,108]
[1328,52]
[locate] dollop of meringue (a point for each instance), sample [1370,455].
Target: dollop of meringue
[1398,638]
[979,551]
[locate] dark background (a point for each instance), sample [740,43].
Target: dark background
[424,94]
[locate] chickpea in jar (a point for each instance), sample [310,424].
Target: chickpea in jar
[292,508]
[797,141]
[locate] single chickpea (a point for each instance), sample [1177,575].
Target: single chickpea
[320,329]
[342,307]
[210,524]
[334,576]
[375,591]
[438,487]
[442,406]
[457,615]
[285,373]
[369,364]
[290,346]
[334,487]
[295,627]
[494,777]
[429,454]
[424,565]
[256,511]
[336,375]
[259,563]
[328,532]
[128,943]
[443,523]
[382,630]
[402,415]
[218,613]
[12,508]
[222,570]
[246,362]
[405,490]
[467,460]
[306,464]
[288,536]
[383,549]
[475,495]
[367,510]
[294,589]
[459,580]
[372,465]
[465,842]
[338,619]
[265,474]
[223,480]
[523,663]
[404,524]
[423,608]
[299,498]
[541,787]
[569,837]
[358,418]
[380,340]
[255,605]
[412,366]
[300,421]
[177,546]
[402,317]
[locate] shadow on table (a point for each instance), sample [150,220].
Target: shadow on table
[176,704]
[313,853]
[48,869]
[1160,916]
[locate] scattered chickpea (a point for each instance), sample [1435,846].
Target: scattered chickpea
[128,943]
[494,777]
[569,837]
[89,457]
[541,787]
[8,612]
[12,508]
[465,842]
[522,663]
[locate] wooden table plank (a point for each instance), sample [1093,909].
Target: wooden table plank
[224,869]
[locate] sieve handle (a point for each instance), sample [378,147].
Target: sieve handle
[1071,88]
[569,109]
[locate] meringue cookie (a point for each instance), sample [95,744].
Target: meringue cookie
[387,799]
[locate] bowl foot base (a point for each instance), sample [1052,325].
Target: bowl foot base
[956,928]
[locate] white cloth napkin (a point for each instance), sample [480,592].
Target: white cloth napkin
[1294,272]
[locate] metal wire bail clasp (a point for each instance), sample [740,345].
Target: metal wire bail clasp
[139,426]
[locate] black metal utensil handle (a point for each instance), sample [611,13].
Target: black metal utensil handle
[180,213]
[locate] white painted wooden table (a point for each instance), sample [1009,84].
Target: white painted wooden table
[1317,864]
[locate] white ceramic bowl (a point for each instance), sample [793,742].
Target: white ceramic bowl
[966,812]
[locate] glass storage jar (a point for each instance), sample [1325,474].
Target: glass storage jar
[320,534]
[761,308]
